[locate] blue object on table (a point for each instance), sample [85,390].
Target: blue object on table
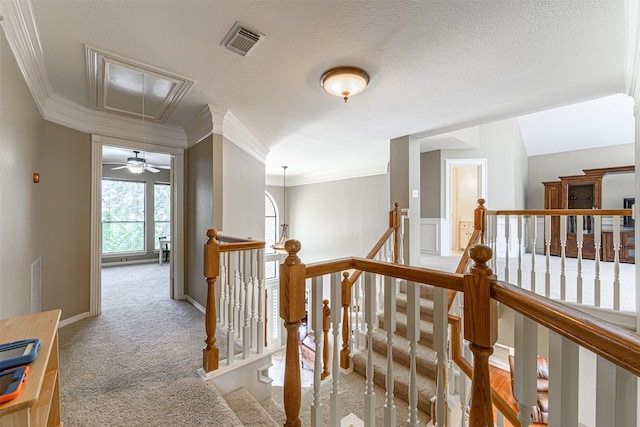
[18,353]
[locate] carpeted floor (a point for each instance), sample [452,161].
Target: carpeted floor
[135,364]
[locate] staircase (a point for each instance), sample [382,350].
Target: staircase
[252,413]
[425,355]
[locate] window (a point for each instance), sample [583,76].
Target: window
[123,222]
[161,211]
[270,235]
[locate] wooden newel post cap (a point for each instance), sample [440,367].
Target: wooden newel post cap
[212,233]
[292,247]
[211,255]
[481,254]
[481,202]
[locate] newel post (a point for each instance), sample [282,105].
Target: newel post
[211,272]
[292,311]
[394,222]
[479,219]
[346,336]
[481,330]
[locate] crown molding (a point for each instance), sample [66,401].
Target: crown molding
[84,119]
[22,35]
[369,169]
[237,133]
[208,121]
[632,51]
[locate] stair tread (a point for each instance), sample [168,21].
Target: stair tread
[248,409]
[425,355]
[275,410]
[426,306]
[426,328]
[426,385]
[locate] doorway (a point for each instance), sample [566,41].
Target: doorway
[465,184]
[144,249]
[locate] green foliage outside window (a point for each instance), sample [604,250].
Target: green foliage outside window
[161,211]
[122,216]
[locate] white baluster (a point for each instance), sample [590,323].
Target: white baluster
[316,325]
[616,395]
[506,250]
[520,250]
[579,244]
[413,335]
[563,381]
[371,318]
[597,239]
[525,368]
[246,307]
[563,257]
[336,304]
[499,419]
[440,346]
[261,296]
[616,262]
[494,227]
[231,310]
[224,256]
[547,240]
[390,328]
[533,226]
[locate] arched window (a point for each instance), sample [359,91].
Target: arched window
[270,223]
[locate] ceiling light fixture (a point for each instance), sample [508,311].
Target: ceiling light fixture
[344,81]
[279,247]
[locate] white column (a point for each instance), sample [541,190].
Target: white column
[390,328]
[316,325]
[413,335]
[370,317]
[440,326]
[336,305]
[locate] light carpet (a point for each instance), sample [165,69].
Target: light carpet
[135,364]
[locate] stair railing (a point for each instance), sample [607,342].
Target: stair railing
[237,265]
[388,247]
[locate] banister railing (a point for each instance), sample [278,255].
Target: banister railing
[238,266]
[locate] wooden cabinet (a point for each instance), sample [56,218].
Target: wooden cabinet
[38,404]
[465,232]
[553,200]
[627,252]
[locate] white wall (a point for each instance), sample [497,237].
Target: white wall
[338,218]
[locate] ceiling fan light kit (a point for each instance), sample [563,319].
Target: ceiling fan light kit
[344,81]
[137,165]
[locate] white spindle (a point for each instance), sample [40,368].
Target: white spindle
[499,419]
[563,257]
[579,244]
[336,303]
[563,381]
[224,279]
[597,239]
[627,393]
[520,250]
[231,310]
[357,304]
[261,295]
[390,328]
[616,262]
[440,327]
[370,317]
[506,249]
[413,335]
[494,227]
[533,225]
[547,241]
[317,326]
[246,330]
[525,368]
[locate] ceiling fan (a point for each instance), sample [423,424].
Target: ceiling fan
[137,165]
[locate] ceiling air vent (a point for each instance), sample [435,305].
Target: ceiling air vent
[241,39]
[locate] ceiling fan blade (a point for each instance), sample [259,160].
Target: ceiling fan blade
[160,166]
[150,169]
[119,167]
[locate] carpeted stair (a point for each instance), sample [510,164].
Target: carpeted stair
[253,413]
[425,356]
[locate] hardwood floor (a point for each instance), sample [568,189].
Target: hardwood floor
[501,382]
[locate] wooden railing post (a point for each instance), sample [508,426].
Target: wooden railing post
[394,222]
[481,330]
[346,338]
[292,311]
[211,272]
[479,219]
[326,324]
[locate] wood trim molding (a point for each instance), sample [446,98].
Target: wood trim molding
[208,121]
[236,132]
[606,171]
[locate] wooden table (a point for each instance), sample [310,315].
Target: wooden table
[161,252]
[38,404]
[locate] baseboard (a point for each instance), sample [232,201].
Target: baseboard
[196,304]
[132,262]
[74,319]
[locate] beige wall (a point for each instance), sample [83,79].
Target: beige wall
[21,142]
[430,184]
[66,220]
[198,214]
[338,218]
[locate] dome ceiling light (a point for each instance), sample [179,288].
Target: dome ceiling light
[344,81]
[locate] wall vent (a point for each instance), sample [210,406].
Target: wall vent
[241,39]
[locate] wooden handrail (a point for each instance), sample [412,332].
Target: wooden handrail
[232,244]
[376,248]
[584,212]
[614,343]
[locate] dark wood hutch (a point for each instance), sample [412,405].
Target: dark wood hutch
[585,192]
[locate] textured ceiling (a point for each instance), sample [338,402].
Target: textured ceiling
[435,66]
